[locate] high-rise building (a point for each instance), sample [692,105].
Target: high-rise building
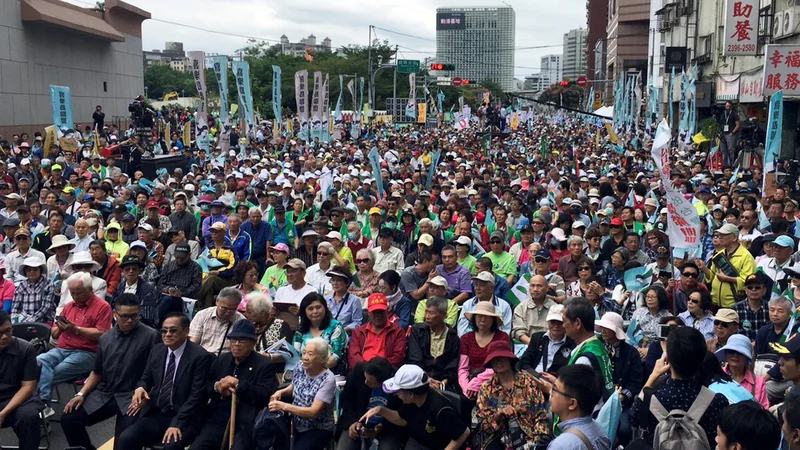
[574,57]
[551,70]
[596,21]
[479,42]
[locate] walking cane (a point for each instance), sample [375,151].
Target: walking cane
[232,425]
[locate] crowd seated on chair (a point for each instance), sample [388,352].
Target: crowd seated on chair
[382,321]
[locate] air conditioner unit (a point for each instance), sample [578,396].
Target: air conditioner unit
[789,21]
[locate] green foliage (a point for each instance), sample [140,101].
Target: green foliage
[573,96]
[162,79]
[709,127]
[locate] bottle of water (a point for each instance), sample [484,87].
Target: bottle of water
[374,445]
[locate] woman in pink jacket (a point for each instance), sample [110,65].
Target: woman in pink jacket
[6,289]
[737,354]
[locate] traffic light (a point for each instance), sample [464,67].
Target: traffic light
[564,83]
[440,66]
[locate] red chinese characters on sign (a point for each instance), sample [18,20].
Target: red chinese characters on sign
[687,230]
[782,69]
[743,27]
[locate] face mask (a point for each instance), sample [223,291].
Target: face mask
[554,241]
[351,236]
[390,225]
[609,211]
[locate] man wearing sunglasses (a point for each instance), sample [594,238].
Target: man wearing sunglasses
[688,281]
[171,391]
[121,359]
[726,324]
[753,311]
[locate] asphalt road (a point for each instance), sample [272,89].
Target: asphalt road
[101,433]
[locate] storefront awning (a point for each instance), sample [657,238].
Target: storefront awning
[68,16]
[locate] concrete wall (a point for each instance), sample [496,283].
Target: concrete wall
[34,56]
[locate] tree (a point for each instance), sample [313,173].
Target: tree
[571,96]
[161,79]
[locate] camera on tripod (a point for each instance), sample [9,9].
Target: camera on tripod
[141,115]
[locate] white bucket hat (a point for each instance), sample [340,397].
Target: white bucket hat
[613,322]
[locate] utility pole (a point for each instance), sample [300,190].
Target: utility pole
[394,85]
[369,70]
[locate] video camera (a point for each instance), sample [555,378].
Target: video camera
[141,114]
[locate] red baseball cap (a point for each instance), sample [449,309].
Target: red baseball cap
[376,301]
[616,221]
[153,204]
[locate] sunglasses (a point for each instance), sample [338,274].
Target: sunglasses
[173,330]
[719,323]
[616,226]
[127,316]
[754,287]
[496,242]
[540,260]
[323,254]
[580,269]
[362,261]
[690,274]
[694,300]
[20,238]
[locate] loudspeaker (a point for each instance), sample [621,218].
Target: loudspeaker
[675,57]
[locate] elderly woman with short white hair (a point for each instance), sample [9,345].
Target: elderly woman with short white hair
[313,390]
[367,276]
[269,329]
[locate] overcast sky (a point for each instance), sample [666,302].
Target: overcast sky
[539,23]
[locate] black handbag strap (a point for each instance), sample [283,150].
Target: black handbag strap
[224,337]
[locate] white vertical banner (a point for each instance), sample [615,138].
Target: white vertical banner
[316,119]
[741,28]
[198,62]
[683,223]
[301,97]
[326,113]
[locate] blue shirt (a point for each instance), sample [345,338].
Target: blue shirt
[259,236]
[347,310]
[241,245]
[590,428]
[500,306]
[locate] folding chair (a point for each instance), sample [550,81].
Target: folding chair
[189,306]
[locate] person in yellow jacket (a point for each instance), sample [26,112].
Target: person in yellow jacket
[220,277]
[115,246]
[725,288]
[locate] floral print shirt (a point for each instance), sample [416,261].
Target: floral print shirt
[526,399]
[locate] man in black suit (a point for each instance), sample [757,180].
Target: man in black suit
[121,355]
[244,371]
[171,392]
[548,350]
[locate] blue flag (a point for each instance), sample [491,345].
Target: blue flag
[277,96]
[434,162]
[374,160]
[772,148]
[220,66]
[62,106]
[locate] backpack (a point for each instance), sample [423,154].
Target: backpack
[681,430]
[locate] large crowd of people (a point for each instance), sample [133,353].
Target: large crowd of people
[465,291]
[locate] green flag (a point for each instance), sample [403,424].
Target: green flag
[485,140]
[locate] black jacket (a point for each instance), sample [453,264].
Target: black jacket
[189,393]
[258,380]
[628,371]
[445,367]
[537,350]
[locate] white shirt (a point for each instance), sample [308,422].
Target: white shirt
[318,279]
[131,288]
[392,259]
[82,244]
[288,294]
[178,353]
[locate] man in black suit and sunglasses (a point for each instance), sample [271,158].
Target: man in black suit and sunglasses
[172,391]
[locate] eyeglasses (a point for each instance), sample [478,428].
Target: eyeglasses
[173,330]
[754,287]
[225,308]
[538,223]
[130,268]
[562,393]
[362,261]
[6,331]
[495,242]
[20,238]
[716,236]
[581,269]
[127,316]
[719,323]
[690,274]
